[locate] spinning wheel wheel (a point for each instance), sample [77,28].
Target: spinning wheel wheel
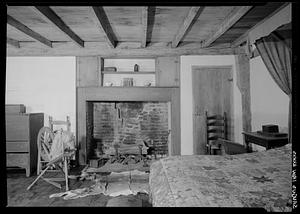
[49,156]
[44,142]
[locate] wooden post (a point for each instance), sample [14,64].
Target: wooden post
[88,74]
[243,83]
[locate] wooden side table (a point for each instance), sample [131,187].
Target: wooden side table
[268,142]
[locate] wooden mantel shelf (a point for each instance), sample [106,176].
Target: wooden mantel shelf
[127,87]
[128,72]
[119,93]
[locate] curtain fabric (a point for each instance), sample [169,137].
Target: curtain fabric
[276,53]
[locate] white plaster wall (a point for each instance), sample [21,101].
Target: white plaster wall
[186,62]
[269,104]
[43,84]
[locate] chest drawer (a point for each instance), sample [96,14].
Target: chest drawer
[17,127]
[12,146]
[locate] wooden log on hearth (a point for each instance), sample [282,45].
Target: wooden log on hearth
[130,149]
[118,167]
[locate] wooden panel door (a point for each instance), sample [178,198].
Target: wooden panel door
[212,92]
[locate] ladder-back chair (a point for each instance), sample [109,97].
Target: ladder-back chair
[216,127]
[52,123]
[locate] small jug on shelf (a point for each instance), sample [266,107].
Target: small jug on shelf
[136,68]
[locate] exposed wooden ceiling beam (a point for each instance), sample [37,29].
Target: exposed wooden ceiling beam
[244,36]
[48,14]
[123,49]
[13,42]
[23,28]
[101,20]
[228,22]
[185,26]
[144,26]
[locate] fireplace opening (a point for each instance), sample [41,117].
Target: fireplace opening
[127,123]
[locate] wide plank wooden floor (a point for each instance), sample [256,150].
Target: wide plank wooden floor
[38,195]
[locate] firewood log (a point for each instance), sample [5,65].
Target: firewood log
[126,149]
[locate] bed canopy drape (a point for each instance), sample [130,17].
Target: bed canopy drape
[276,53]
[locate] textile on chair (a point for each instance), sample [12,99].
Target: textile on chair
[62,140]
[276,53]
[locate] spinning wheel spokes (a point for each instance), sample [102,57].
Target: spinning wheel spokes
[45,138]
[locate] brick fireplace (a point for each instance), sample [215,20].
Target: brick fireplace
[127,122]
[149,106]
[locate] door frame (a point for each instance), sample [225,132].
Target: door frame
[230,115]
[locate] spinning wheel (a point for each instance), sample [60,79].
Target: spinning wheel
[49,143]
[44,142]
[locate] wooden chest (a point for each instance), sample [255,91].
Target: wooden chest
[15,109]
[21,140]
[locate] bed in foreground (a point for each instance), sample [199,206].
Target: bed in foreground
[258,179]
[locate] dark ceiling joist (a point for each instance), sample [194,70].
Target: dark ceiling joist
[185,26]
[144,26]
[23,28]
[228,22]
[57,22]
[243,38]
[13,42]
[101,20]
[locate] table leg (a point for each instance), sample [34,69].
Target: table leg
[66,173]
[247,145]
[27,171]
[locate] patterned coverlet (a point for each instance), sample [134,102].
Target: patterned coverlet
[258,179]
